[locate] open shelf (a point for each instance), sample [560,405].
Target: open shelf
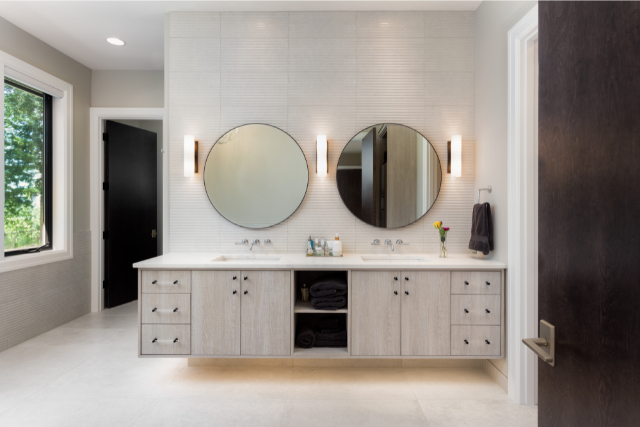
[320,352]
[305,307]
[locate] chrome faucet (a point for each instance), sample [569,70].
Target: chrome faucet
[255,242]
[389,243]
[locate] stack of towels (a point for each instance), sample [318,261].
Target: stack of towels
[329,331]
[328,293]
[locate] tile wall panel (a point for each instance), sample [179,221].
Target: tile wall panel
[37,299]
[312,73]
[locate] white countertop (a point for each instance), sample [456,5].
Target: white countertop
[200,260]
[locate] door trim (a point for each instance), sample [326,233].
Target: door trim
[522,154]
[96,164]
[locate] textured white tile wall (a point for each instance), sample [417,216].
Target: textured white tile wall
[37,299]
[312,73]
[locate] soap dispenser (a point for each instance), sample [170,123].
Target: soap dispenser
[337,246]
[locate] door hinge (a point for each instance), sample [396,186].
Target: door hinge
[104,284]
[105,137]
[105,185]
[105,234]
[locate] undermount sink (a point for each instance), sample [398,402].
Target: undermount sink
[392,258]
[247,258]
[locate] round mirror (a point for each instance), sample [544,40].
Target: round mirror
[389,175]
[256,176]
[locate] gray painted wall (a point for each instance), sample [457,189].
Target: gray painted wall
[493,22]
[127,89]
[35,300]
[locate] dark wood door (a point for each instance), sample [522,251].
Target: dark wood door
[130,200]
[589,212]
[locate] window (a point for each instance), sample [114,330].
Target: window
[27,169]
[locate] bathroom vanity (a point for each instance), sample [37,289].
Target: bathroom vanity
[248,306]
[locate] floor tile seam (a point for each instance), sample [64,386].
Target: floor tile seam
[170,381]
[142,412]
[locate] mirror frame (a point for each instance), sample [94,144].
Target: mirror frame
[439,187]
[204,184]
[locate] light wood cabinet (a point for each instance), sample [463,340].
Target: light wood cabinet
[426,313]
[266,313]
[476,282]
[375,305]
[166,308]
[475,309]
[166,282]
[215,313]
[475,340]
[165,339]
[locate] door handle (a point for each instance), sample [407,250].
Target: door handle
[545,346]
[154,234]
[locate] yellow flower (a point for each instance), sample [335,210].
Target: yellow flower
[437,224]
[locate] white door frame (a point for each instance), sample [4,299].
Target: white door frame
[96,163]
[522,152]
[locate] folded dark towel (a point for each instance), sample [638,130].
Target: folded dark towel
[330,321]
[328,303]
[335,336]
[305,336]
[337,343]
[328,285]
[481,229]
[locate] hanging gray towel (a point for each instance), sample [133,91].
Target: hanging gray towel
[481,229]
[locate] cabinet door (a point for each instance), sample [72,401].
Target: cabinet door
[375,307]
[215,313]
[266,313]
[426,313]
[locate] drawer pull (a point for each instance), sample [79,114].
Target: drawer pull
[395,292]
[245,277]
[466,311]
[175,310]
[154,282]
[466,342]
[155,309]
[406,278]
[487,310]
[395,278]
[487,283]
[234,292]
[406,292]
[246,292]
[175,282]
[156,340]
[466,283]
[487,341]
[234,277]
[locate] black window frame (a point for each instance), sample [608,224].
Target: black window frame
[47,173]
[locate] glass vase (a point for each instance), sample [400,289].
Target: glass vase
[443,248]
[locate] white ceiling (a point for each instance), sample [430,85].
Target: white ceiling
[79,28]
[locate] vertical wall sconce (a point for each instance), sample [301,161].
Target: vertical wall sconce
[454,156]
[190,156]
[322,155]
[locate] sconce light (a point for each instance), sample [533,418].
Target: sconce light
[322,155]
[454,156]
[190,156]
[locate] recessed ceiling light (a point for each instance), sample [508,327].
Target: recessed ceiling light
[116,41]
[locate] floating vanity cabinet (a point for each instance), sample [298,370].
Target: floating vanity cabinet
[266,313]
[426,314]
[375,304]
[215,313]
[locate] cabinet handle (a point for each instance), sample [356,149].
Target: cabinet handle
[154,282]
[175,283]
[234,292]
[487,283]
[487,310]
[154,309]
[466,342]
[406,278]
[406,292]
[487,341]
[175,310]
[245,277]
[466,311]
[234,277]
[246,292]
[395,278]
[395,292]
[466,283]
[156,340]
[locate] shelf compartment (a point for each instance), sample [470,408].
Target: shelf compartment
[305,307]
[320,352]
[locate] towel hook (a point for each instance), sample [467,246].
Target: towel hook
[483,189]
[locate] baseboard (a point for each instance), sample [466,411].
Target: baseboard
[338,363]
[495,374]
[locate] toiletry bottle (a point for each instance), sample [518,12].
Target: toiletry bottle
[317,249]
[337,246]
[321,247]
[310,248]
[311,242]
[305,292]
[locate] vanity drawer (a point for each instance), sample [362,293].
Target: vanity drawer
[166,308]
[475,340]
[475,309]
[161,339]
[475,282]
[166,282]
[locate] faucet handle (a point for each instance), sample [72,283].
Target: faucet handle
[256,242]
[375,242]
[399,242]
[387,242]
[267,242]
[243,242]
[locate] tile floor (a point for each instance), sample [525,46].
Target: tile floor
[87,373]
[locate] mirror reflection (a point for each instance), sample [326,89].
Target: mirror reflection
[256,176]
[389,175]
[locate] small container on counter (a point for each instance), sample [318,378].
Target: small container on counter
[304,290]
